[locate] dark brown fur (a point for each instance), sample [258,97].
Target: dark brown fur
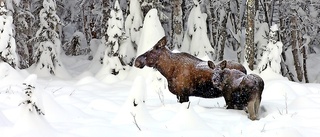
[239,90]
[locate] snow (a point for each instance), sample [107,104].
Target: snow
[151,33]
[87,106]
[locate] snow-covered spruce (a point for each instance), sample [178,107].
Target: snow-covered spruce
[112,62]
[196,39]
[77,45]
[47,43]
[8,45]
[133,27]
[31,100]
[272,54]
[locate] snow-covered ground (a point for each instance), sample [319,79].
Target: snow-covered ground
[87,107]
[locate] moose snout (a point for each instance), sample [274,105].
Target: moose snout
[140,62]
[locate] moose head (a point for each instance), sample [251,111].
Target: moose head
[217,77]
[151,57]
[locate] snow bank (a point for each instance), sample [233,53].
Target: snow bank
[134,108]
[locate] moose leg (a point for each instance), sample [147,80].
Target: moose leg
[229,104]
[257,105]
[228,100]
[251,108]
[183,99]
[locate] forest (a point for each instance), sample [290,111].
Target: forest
[280,34]
[70,68]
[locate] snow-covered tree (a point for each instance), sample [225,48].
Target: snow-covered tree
[77,45]
[23,20]
[197,32]
[91,12]
[115,33]
[8,43]
[134,22]
[272,54]
[47,41]
[32,100]
[73,36]
[115,30]
[133,25]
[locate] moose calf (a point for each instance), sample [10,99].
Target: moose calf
[239,90]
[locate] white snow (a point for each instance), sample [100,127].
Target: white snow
[88,107]
[151,33]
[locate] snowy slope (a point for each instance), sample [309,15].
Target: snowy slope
[87,107]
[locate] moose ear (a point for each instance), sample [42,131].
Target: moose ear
[211,64]
[162,42]
[223,64]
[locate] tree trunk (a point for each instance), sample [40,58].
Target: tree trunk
[177,24]
[304,59]
[223,37]
[304,54]
[249,55]
[295,50]
[211,26]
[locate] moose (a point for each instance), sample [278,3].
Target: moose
[240,91]
[187,75]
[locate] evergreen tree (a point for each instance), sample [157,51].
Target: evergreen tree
[77,45]
[133,26]
[23,22]
[272,54]
[8,43]
[197,32]
[47,40]
[32,100]
[115,32]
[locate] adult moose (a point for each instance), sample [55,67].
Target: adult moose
[239,90]
[186,74]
